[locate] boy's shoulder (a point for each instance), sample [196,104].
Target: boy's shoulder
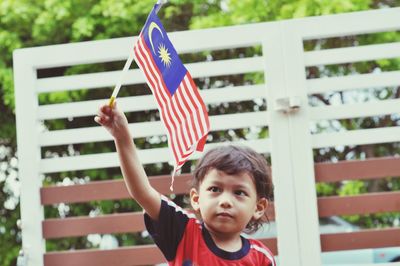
[167,203]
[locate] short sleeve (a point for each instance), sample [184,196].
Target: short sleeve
[167,232]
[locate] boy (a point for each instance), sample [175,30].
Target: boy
[230,193]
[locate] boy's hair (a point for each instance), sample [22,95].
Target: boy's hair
[235,160]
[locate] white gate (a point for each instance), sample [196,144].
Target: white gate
[283,63]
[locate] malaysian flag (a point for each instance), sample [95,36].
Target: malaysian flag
[181,108]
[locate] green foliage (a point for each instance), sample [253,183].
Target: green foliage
[26,23]
[352,188]
[325,189]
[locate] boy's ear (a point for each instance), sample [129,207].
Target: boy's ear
[261,207]
[194,199]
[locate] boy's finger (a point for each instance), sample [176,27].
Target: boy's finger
[100,113]
[97,119]
[104,114]
[105,109]
[102,118]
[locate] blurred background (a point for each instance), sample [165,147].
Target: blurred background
[25,23]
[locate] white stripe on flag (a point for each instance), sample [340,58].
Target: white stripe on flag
[180,150]
[189,126]
[188,95]
[152,84]
[202,112]
[183,114]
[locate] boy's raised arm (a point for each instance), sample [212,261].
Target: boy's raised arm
[135,177]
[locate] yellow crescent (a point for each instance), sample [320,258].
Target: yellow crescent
[153,26]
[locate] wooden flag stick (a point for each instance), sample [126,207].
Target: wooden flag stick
[127,65]
[121,77]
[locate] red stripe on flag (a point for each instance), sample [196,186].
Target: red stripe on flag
[192,103]
[178,115]
[202,106]
[163,105]
[190,118]
[201,113]
[185,110]
[183,113]
[170,108]
[152,84]
[180,149]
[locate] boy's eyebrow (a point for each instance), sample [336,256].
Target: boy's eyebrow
[240,186]
[244,186]
[216,182]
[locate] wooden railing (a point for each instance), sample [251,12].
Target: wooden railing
[359,204]
[149,254]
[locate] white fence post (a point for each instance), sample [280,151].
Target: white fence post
[285,212]
[291,151]
[28,159]
[301,156]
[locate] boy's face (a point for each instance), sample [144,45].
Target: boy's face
[227,203]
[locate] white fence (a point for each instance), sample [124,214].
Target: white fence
[290,143]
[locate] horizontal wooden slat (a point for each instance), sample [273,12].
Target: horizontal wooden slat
[109,190]
[133,222]
[97,134]
[104,224]
[357,169]
[359,204]
[373,108]
[147,129]
[353,82]
[345,24]
[135,76]
[115,189]
[125,256]
[81,226]
[271,243]
[89,108]
[356,137]
[137,255]
[88,81]
[352,54]
[118,49]
[148,156]
[373,238]
[147,102]
[149,254]
[198,40]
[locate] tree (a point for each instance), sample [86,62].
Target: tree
[27,23]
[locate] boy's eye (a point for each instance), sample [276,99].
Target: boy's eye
[240,193]
[214,189]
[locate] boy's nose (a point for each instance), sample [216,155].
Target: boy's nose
[225,201]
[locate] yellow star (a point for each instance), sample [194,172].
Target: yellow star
[164,55]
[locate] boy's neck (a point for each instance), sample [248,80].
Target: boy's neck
[227,242]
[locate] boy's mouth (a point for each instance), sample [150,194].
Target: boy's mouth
[224,214]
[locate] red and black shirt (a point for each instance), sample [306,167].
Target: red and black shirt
[185,241]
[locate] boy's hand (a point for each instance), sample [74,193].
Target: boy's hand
[113,120]
[134,175]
